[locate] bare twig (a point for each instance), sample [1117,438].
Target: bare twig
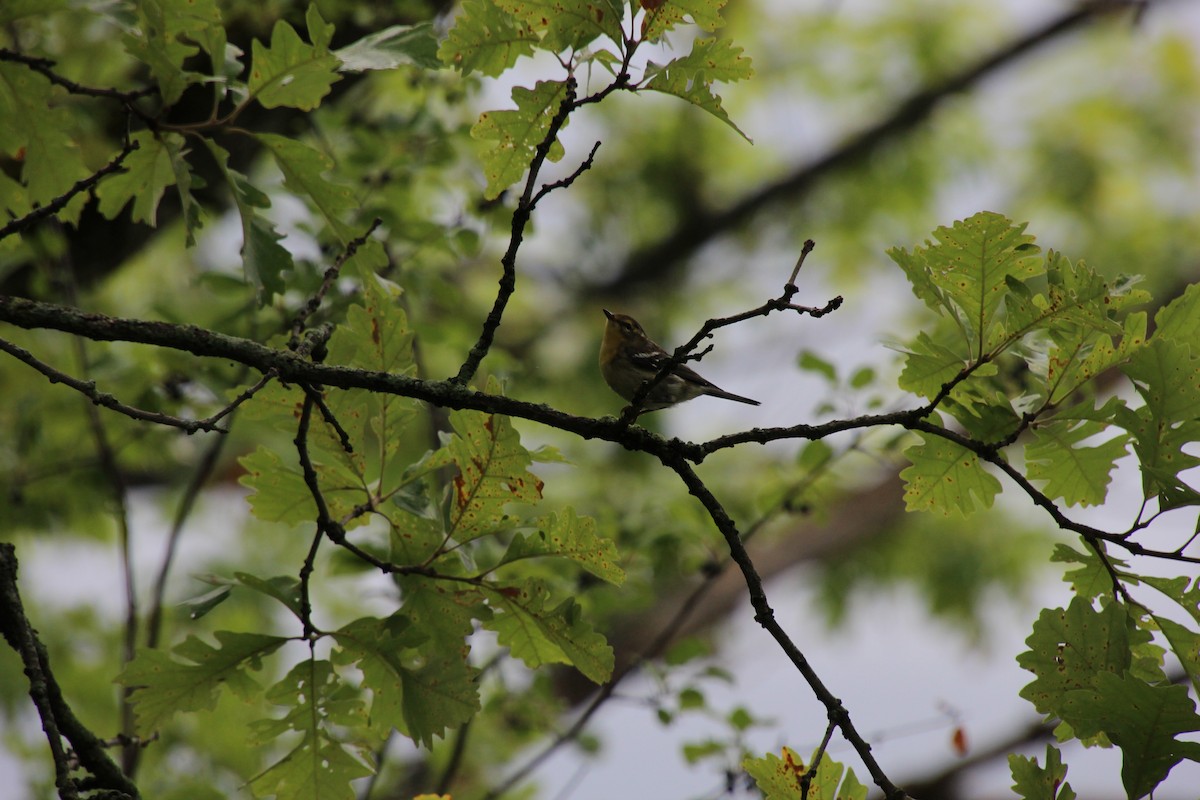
[685,351]
[57,717]
[203,471]
[327,281]
[88,389]
[20,637]
[520,219]
[765,616]
[807,778]
[59,203]
[45,66]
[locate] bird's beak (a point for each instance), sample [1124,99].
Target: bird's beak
[607,313]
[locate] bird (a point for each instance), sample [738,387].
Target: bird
[628,357]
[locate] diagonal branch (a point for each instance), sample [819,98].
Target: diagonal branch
[89,390]
[765,616]
[520,219]
[57,717]
[59,203]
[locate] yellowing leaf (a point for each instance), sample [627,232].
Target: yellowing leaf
[515,135]
[486,38]
[947,478]
[569,536]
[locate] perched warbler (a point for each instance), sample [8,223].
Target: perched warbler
[628,357]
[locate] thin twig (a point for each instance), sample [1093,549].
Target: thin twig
[807,778]
[57,204]
[88,389]
[570,179]
[685,352]
[327,281]
[765,616]
[203,471]
[520,219]
[45,67]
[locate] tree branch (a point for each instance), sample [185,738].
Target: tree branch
[59,203]
[290,367]
[765,616]
[57,717]
[520,218]
[89,390]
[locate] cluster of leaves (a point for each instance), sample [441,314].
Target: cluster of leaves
[1025,341]
[457,527]
[454,544]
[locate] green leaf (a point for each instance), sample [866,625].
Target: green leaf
[663,15]
[163,685]
[1185,644]
[316,769]
[49,160]
[1141,719]
[1179,320]
[515,135]
[929,365]
[567,24]
[303,169]
[540,636]
[164,35]
[390,48]
[968,270]
[1076,474]
[197,607]
[264,260]
[691,76]
[947,478]
[486,38]
[376,334]
[492,473]
[1032,782]
[1178,589]
[1074,362]
[1070,647]
[811,361]
[421,686]
[278,491]
[319,767]
[320,32]
[283,588]
[1092,579]
[149,170]
[572,537]
[290,72]
[1167,376]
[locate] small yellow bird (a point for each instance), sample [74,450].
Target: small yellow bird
[628,357]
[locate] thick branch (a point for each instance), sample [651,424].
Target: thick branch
[292,368]
[58,720]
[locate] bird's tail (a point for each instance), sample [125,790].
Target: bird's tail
[715,392]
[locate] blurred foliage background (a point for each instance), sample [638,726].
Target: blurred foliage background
[873,121]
